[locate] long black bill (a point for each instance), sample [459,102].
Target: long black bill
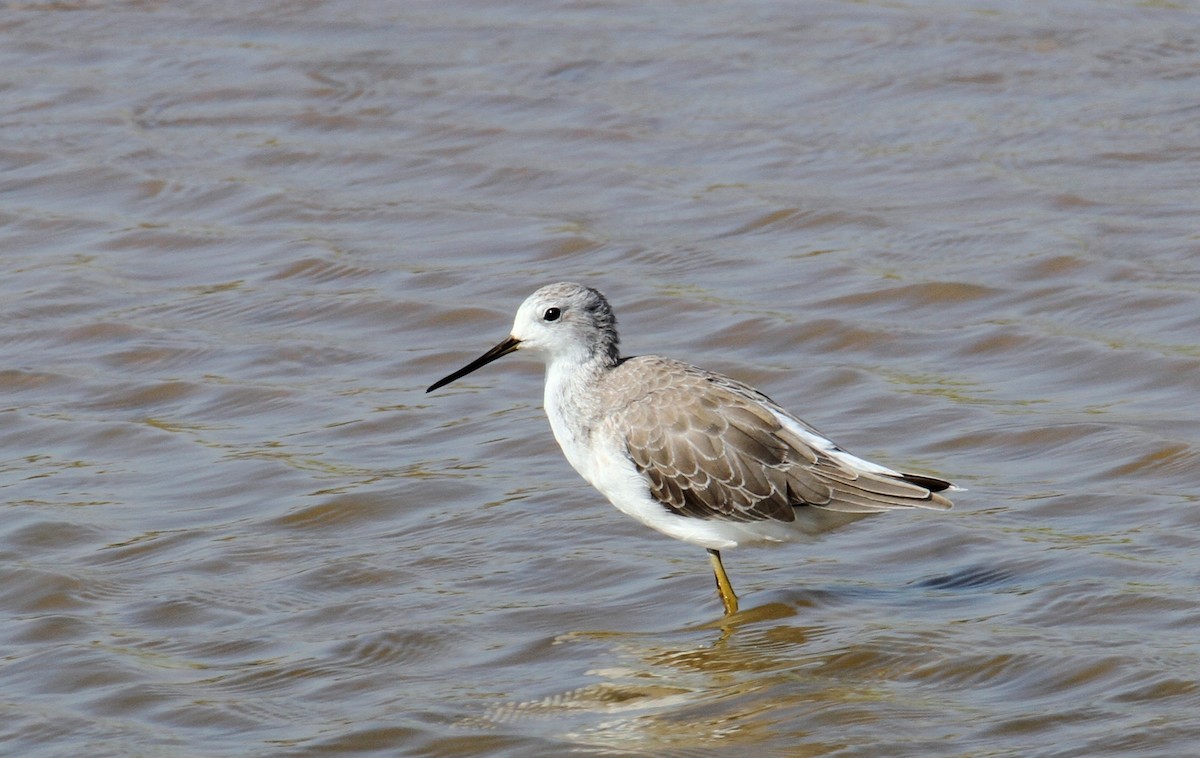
[499,351]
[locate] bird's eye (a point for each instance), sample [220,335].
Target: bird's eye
[551,314]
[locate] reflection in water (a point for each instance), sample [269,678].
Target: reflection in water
[701,691]
[238,241]
[710,686]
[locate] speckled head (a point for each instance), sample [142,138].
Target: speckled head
[563,321]
[567,319]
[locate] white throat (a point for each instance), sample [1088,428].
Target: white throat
[572,409]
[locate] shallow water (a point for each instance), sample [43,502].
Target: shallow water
[241,239]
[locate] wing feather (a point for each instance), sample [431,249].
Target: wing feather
[713,448]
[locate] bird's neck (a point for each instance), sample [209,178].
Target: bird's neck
[571,406]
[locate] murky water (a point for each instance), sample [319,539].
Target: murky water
[240,239]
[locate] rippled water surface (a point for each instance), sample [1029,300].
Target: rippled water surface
[240,239]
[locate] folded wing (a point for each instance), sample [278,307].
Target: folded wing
[713,448]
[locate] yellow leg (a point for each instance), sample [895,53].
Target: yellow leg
[724,588]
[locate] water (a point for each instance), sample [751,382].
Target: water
[241,239]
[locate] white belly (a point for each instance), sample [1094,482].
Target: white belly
[601,460]
[606,467]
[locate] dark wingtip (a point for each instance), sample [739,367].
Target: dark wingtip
[928,482]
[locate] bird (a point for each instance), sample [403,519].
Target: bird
[694,454]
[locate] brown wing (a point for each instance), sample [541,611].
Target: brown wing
[710,447]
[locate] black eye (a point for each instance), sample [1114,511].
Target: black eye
[551,314]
